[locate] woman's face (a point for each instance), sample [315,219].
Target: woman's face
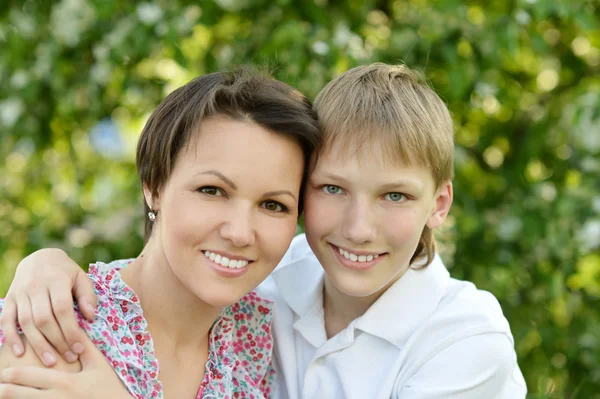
[228,212]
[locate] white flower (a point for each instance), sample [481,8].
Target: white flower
[10,111]
[149,13]
[508,228]
[70,19]
[320,47]
[100,73]
[19,79]
[589,236]
[596,204]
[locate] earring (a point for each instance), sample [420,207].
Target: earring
[152,216]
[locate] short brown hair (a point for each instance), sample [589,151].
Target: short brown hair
[242,94]
[392,108]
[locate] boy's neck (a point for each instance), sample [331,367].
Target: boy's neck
[169,307]
[340,309]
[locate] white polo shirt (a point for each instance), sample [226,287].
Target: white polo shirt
[428,336]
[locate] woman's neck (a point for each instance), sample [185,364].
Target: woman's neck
[177,318]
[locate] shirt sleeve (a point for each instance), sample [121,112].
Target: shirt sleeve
[480,366]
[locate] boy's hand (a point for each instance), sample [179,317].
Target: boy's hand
[40,298]
[97,379]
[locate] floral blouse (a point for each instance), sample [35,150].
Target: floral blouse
[240,344]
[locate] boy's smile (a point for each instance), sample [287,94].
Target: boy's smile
[357,260]
[364,218]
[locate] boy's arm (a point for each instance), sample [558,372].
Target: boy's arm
[40,298]
[480,366]
[91,377]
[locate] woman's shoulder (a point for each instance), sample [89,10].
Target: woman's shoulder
[241,340]
[250,320]
[119,330]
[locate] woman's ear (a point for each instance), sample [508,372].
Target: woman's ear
[443,201]
[151,200]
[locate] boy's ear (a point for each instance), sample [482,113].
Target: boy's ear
[153,201]
[443,201]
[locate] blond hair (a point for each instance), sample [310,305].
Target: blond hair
[389,108]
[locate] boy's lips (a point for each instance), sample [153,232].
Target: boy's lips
[357,253]
[370,259]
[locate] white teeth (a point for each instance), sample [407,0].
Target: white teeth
[357,258]
[224,261]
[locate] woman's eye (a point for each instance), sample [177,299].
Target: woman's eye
[395,197]
[211,191]
[274,206]
[331,189]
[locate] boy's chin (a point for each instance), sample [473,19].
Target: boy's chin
[353,285]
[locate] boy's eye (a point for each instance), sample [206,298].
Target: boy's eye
[211,191]
[274,206]
[331,189]
[394,197]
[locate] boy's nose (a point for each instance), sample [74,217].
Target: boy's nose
[359,226]
[239,229]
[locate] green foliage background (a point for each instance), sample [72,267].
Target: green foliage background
[78,78]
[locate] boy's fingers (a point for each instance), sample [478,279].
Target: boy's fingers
[39,344]
[62,303]
[44,320]
[8,323]
[83,291]
[11,391]
[30,376]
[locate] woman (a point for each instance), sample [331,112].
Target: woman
[221,162]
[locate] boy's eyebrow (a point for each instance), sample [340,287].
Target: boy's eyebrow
[388,186]
[335,177]
[411,184]
[220,176]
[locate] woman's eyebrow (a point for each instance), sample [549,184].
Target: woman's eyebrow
[280,192]
[220,176]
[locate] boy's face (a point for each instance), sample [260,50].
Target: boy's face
[364,218]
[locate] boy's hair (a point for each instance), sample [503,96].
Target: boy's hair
[389,108]
[242,94]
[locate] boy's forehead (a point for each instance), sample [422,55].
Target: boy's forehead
[366,153]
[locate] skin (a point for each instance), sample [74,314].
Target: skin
[220,204]
[362,206]
[371,208]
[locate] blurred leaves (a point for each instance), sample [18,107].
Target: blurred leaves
[78,78]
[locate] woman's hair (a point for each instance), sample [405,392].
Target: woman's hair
[242,94]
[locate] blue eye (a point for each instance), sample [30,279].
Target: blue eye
[331,189]
[211,191]
[395,197]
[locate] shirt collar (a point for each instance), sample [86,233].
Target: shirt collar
[393,317]
[406,304]
[300,281]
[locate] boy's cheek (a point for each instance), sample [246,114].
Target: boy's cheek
[319,213]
